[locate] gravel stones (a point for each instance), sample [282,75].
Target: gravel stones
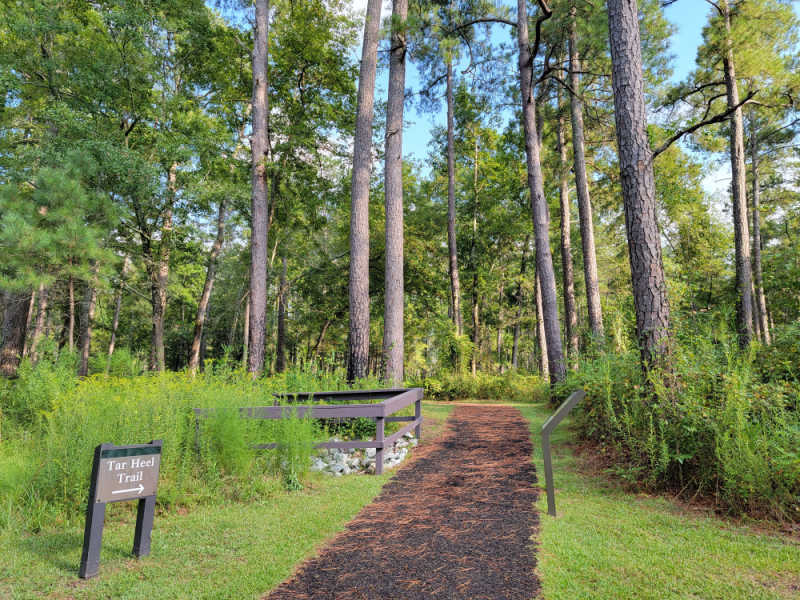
[341,461]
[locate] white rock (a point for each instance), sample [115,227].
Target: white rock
[371,452]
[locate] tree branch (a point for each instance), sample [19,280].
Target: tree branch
[715,119]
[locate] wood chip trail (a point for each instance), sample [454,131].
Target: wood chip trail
[455,523]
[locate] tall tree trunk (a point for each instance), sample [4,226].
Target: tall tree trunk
[246,332]
[280,345]
[582,186]
[570,312]
[741,235]
[71,312]
[320,337]
[205,296]
[259,199]
[756,317]
[500,316]
[474,263]
[393,335]
[539,212]
[159,276]
[518,319]
[476,309]
[541,333]
[760,297]
[117,310]
[638,184]
[15,318]
[87,316]
[452,247]
[358,364]
[41,317]
[28,319]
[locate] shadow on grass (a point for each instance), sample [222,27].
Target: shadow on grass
[63,549]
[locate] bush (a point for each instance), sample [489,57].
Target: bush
[715,426]
[53,421]
[510,387]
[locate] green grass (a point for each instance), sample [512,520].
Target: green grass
[230,550]
[606,543]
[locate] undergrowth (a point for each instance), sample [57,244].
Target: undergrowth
[724,424]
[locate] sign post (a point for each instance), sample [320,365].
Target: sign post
[120,473]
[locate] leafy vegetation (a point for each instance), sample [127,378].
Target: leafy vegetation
[52,423]
[720,425]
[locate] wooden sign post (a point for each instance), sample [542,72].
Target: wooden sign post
[120,473]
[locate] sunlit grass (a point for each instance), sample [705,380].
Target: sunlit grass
[606,543]
[218,550]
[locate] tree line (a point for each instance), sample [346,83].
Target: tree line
[204,181]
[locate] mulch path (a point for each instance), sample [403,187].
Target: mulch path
[455,522]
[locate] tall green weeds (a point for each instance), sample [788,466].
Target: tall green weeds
[721,425]
[52,422]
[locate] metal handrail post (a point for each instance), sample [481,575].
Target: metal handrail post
[549,425]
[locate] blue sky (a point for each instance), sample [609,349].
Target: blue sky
[689,17]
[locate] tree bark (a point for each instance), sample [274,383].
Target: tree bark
[15,319]
[87,315]
[760,297]
[117,310]
[393,333]
[71,312]
[280,345]
[452,247]
[28,319]
[539,212]
[476,308]
[638,184]
[246,333]
[259,199]
[320,337]
[41,317]
[570,311]
[541,333]
[741,235]
[205,296]
[358,364]
[159,276]
[500,316]
[518,319]
[474,263]
[582,186]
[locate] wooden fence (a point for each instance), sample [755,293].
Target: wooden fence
[382,412]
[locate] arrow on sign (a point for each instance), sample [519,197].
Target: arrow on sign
[138,490]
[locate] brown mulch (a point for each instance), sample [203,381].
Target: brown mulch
[454,523]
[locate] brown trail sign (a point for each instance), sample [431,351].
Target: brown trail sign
[120,473]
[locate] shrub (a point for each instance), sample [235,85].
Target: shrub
[714,426]
[509,387]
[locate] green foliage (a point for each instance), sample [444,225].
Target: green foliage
[53,422]
[712,427]
[30,399]
[295,436]
[510,387]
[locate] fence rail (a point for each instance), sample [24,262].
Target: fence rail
[391,401]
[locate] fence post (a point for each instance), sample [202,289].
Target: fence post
[379,437]
[418,417]
[549,425]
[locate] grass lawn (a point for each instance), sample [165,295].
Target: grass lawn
[606,543]
[229,551]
